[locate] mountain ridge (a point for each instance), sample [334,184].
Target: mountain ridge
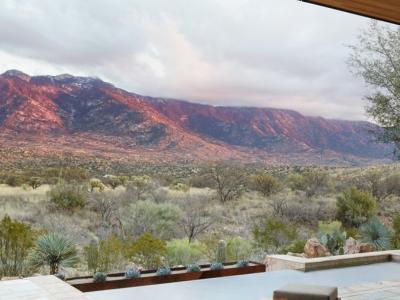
[107,120]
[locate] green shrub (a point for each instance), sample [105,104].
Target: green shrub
[238,248]
[16,240]
[179,186]
[354,207]
[148,251]
[15,180]
[376,234]
[106,255]
[193,268]
[67,197]
[265,184]
[181,252]
[99,277]
[274,235]
[296,247]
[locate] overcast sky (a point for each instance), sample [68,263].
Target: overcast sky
[274,53]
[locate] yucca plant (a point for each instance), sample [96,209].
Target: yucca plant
[53,250]
[376,234]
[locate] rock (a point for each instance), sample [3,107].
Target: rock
[314,248]
[351,246]
[365,247]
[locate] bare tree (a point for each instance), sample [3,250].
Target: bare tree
[196,217]
[279,204]
[229,181]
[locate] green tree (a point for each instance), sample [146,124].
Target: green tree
[229,181]
[266,184]
[376,58]
[55,251]
[148,251]
[16,239]
[274,234]
[354,207]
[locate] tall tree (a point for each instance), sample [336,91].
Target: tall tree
[376,58]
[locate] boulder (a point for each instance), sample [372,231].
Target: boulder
[314,248]
[365,247]
[351,246]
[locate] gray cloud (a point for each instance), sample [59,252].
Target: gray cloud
[276,53]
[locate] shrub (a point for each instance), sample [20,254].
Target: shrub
[95,183]
[274,234]
[163,271]
[35,182]
[216,266]
[181,252]
[53,250]
[238,248]
[16,239]
[296,247]
[311,182]
[242,263]
[67,197]
[193,268]
[15,180]
[99,277]
[132,273]
[113,181]
[179,186]
[148,251]
[375,233]
[332,236]
[158,219]
[106,255]
[265,184]
[354,207]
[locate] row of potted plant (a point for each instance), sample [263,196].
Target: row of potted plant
[134,272]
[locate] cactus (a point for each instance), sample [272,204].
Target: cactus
[163,271]
[221,252]
[216,266]
[99,277]
[242,263]
[132,273]
[193,268]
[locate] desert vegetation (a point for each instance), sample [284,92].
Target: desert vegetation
[114,222]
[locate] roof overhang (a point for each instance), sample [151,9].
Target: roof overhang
[385,10]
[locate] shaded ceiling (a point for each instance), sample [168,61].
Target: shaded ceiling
[385,10]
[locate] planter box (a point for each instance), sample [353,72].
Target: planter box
[116,281]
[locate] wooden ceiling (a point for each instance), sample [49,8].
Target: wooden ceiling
[385,10]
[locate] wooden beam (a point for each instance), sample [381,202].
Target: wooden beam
[385,10]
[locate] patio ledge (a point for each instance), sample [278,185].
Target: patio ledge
[282,262]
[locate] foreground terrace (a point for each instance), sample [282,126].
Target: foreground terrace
[359,276]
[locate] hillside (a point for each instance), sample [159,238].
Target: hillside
[44,116]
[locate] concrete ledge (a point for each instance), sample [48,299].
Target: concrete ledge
[282,262]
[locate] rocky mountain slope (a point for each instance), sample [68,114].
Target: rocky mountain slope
[52,115]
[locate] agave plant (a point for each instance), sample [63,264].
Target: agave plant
[53,250]
[376,234]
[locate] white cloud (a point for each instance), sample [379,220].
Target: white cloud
[228,52]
